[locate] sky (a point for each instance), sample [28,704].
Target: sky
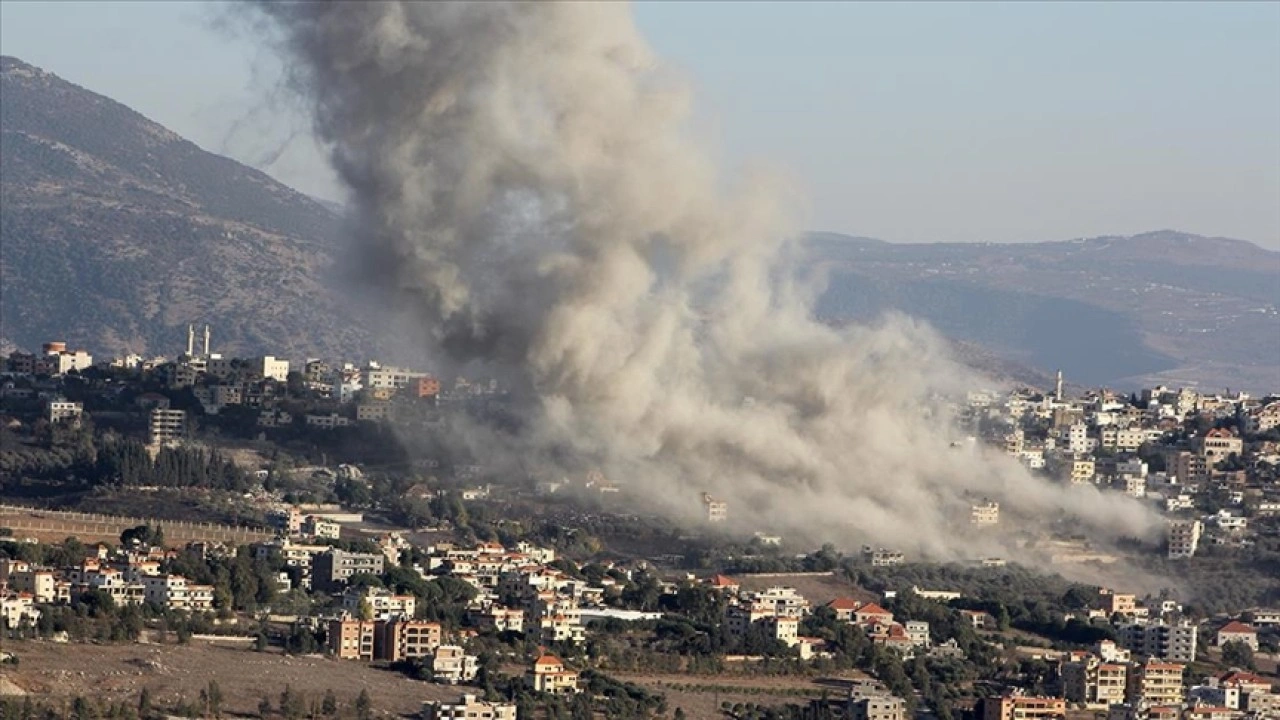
[910,122]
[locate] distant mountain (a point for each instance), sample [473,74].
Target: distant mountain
[115,233]
[1157,307]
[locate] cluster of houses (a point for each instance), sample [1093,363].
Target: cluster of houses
[129,576]
[1201,458]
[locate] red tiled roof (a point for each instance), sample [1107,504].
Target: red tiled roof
[548,660]
[844,603]
[1235,626]
[872,609]
[723,581]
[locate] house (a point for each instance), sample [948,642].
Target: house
[469,708]
[1236,631]
[872,613]
[724,583]
[451,664]
[844,608]
[548,675]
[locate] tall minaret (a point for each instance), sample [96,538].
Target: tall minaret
[1057,388]
[191,339]
[206,341]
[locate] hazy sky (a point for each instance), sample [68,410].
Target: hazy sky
[909,122]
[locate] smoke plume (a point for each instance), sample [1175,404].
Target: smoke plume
[522,178]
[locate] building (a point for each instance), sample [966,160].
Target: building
[403,639]
[715,510]
[57,360]
[373,412]
[1218,444]
[1236,631]
[1155,683]
[428,387]
[1087,680]
[330,570]
[269,367]
[166,427]
[549,675]
[382,602]
[1023,707]
[469,708]
[1173,643]
[61,411]
[1184,538]
[986,513]
[451,664]
[352,639]
[877,707]
[175,593]
[327,422]
[318,527]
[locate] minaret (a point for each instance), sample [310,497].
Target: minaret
[1057,388]
[191,339]
[206,341]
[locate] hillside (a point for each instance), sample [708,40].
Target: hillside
[116,233]
[1158,307]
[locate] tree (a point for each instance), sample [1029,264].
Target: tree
[329,706]
[364,706]
[264,707]
[144,704]
[292,706]
[213,699]
[1238,654]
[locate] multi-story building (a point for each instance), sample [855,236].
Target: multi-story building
[451,664]
[1173,643]
[1184,538]
[549,675]
[1023,707]
[1236,631]
[1155,683]
[382,602]
[469,708]
[331,569]
[62,411]
[166,427]
[175,593]
[402,639]
[373,412]
[42,585]
[268,366]
[985,513]
[318,527]
[1218,444]
[1088,680]
[351,638]
[715,510]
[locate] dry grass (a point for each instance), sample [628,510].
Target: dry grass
[175,672]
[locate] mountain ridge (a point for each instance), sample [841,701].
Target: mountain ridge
[116,233]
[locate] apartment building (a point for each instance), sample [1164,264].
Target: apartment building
[175,593]
[715,511]
[1172,643]
[1184,538]
[331,569]
[1155,683]
[403,639]
[877,707]
[985,514]
[269,366]
[451,664]
[1218,444]
[166,427]
[384,603]
[1023,707]
[1088,680]
[351,639]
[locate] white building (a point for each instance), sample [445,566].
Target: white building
[451,664]
[469,708]
[270,367]
[63,411]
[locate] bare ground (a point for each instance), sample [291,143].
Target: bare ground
[175,672]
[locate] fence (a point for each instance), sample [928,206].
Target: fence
[68,523]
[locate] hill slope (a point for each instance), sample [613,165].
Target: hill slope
[116,233]
[1158,307]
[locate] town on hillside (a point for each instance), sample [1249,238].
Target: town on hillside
[252,512]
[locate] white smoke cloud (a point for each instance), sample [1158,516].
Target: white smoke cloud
[523,178]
